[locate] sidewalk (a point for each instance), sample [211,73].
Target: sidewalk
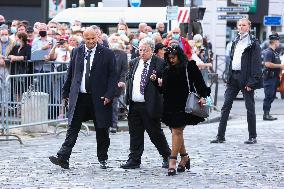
[229,165]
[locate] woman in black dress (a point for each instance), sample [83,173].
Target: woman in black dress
[18,56]
[174,88]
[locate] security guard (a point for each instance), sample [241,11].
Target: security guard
[272,67]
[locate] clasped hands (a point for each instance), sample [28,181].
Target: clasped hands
[154,77]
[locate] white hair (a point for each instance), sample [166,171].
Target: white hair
[148,41]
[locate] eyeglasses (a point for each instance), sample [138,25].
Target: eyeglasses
[144,50]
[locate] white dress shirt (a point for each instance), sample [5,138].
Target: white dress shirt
[136,95]
[82,87]
[243,43]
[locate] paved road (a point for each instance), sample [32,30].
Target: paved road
[229,165]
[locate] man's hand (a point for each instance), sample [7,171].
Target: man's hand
[121,84]
[65,101]
[106,100]
[153,77]
[202,101]
[2,61]
[160,82]
[47,46]
[248,88]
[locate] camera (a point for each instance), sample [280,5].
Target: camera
[60,42]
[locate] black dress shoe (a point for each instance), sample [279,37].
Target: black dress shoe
[251,141]
[59,161]
[130,164]
[113,129]
[103,164]
[218,140]
[268,117]
[165,163]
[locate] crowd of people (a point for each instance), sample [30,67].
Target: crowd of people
[152,68]
[21,41]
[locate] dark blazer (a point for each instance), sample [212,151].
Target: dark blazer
[153,99]
[121,68]
[251,64]
[103,83]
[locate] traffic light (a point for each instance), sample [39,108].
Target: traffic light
[197,13]
[196,28]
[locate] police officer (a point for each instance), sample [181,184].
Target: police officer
[272,67]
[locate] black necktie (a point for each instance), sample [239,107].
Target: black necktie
[143,78]
[87,74]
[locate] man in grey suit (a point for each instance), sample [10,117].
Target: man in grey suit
[90,86]
[145,105]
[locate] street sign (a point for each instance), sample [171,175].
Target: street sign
[243,2]
[135,3]
[232,16]
[172,12]
[232,9]
[272,20]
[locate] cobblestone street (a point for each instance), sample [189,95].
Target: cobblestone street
[229,165]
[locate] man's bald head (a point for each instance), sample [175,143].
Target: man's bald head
[142,26]
[90,36]
[176,30]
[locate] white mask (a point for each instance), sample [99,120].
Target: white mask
[4,39]
[115,46]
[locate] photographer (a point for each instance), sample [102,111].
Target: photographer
[272,68]
[60,53]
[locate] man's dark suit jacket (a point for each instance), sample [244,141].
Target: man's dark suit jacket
[103,81]
[153,99]
[121,68]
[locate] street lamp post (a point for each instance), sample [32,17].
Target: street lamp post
[170,3]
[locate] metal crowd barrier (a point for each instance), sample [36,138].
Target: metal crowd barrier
[221,66]
[30,97]
[31,100]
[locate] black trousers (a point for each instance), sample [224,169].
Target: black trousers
[139,121]
[270,88]
[230,94]
[83,112]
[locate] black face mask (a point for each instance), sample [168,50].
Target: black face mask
[161,32]
[1,23]
[42,33]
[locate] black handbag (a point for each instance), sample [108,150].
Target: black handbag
[192,103]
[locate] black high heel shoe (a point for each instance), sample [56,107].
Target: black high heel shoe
[182,168]
[172,171]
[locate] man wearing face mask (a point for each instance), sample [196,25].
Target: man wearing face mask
[122,29]
[6,45]
[14,28]
[42,43]
[183,43]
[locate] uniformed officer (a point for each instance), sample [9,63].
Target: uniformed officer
[272,67]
